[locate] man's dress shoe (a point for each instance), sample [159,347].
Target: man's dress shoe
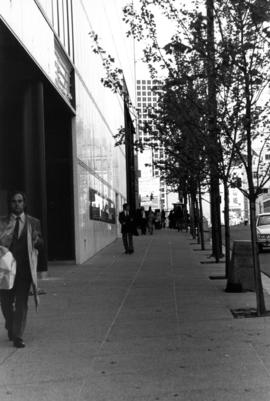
[18,343]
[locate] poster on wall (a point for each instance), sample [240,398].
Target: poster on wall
[100,207]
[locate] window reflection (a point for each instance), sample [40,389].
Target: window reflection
[100,207]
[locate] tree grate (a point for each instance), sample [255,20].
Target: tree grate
[247,313]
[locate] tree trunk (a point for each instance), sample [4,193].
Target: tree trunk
[213,154]
[185,211]
[215,216]
[256,261]
[197,221]
[227,228]
[192,218]
[201,218]
[252,200]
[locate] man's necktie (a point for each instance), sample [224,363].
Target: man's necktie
[16,229]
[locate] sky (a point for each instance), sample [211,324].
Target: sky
[165,28]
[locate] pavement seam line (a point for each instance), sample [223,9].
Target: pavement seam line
[125,296]
[8,357]
[118,311]
[261,360]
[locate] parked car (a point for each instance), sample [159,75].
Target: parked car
[263,231]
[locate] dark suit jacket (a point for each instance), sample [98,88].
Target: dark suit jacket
[127,222]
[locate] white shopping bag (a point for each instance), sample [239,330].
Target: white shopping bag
[7,269]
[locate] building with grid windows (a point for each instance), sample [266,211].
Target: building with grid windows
[153,190]
[57,120]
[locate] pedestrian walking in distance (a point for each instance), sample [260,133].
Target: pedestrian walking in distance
[150,220]
[143,220]
[127,222]
[21,234]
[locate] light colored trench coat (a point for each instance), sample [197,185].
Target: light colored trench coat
[33,234]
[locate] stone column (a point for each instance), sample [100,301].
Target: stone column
[34,159]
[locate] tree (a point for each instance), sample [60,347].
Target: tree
[142,25]
[244,54]
[178,128]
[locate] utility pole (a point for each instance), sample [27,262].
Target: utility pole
[213,150]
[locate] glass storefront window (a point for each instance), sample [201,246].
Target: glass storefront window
[100,207]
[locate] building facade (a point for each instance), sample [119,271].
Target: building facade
[57,120]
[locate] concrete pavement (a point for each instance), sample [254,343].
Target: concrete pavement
[141,327]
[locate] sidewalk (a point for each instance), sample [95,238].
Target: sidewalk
[142,327]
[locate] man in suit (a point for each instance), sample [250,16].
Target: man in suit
[21,234]
[127,222]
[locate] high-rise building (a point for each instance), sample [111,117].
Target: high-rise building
[153,190]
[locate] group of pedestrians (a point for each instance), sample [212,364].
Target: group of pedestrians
[148,220]
[179,219]
[142,220]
